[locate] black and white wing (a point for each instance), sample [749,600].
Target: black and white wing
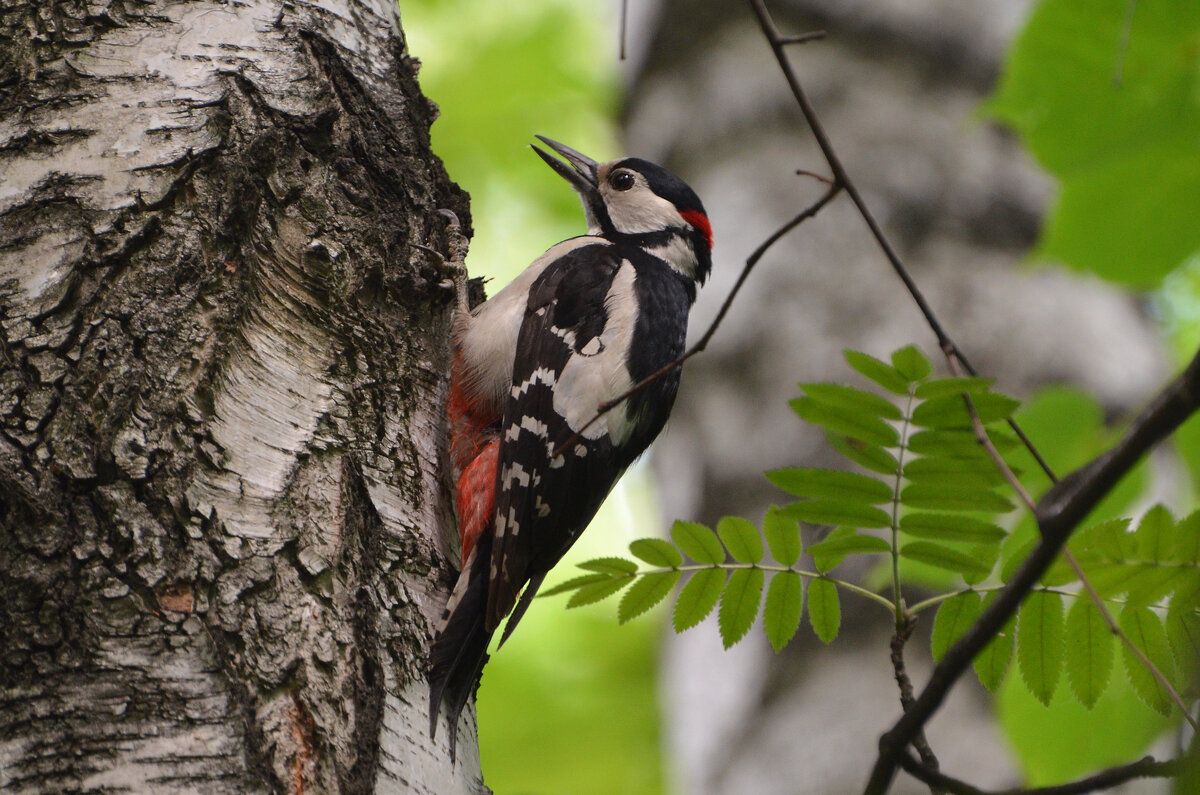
[571,356]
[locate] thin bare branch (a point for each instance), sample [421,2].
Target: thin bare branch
[1146,767]
[928,759]
[803,38]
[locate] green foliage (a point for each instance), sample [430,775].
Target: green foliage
[1114,115]
[1143,626]
[953,618]
[824,609]
[1089,643]
[783,609]
[992,663]
[739,604]
[698,598]
[939,496]
[1040,643]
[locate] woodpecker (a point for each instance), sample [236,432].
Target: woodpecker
[581,325]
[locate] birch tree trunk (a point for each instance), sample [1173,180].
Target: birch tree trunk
[221,381]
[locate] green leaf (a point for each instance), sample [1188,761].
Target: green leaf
[852,514]
[1089,651]
[1113,579]
[986,556]
[741,538]
[847,422]
[1040,643]
[739,604]
[1183,635]
[881,373]
[947,497]
[911,363]
[594,592]
[1013,558]
[1098,131]
[1145,630]
[783,536]
[1154,581]
[573,583]
[656,552]
[959,443]
[842,543]
[954,617]
[943,557]
[830,484]
[950,411]
[698,598]
[697,542]
[853,398]
[950,527]
[611,566]
[980,472]
[1187,540]
[1155,535]
[784,606]
[992,663]
[649,590]
[824,611]
[866,455]
[1107,540]
[940,387]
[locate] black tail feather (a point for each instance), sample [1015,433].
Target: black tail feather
[460,647]
[526,599]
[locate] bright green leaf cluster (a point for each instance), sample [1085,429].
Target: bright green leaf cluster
[938,488]
[1149,579]
[935,490]
[737,586]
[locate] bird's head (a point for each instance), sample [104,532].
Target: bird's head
[637,201]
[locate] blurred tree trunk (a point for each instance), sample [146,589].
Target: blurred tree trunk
[221,507]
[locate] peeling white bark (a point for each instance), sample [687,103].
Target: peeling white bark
[221,380]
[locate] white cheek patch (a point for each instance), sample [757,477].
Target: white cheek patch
[641,210]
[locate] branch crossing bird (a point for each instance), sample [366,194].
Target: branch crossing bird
[583,324]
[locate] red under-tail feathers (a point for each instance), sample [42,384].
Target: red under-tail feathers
[460,647]
[474,450]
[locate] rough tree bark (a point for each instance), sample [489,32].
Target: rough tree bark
[221,506]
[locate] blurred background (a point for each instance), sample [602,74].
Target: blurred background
[1051,223]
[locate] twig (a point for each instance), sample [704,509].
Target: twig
[624,18]
[778,42]
[1002,465]
[920,742]
[751,261]
[1058,512]
[1146,767]
[803,38]
[1123,42]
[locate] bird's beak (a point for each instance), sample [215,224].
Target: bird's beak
[581,172]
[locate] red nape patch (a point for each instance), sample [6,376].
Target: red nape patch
[700,221]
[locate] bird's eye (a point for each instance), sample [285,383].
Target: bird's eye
[621,180]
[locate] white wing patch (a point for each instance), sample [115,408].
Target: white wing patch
[586,381]
[490,336]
